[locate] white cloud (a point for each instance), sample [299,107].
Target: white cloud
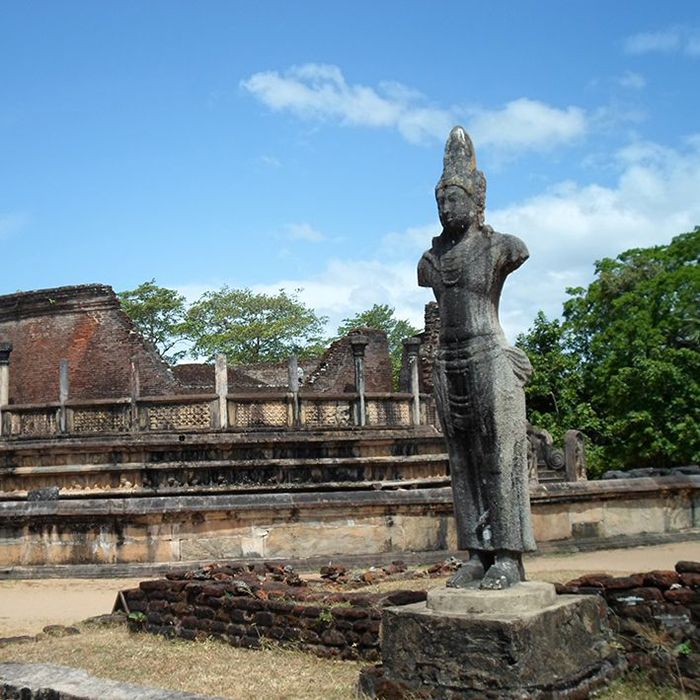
[673,39]
[347,287]
[567,228]
[304,232]
[527,124]
[571,225]
[319,91]
[316,91]
[13,223]
[630,79]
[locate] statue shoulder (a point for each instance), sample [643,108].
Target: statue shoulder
[428,267]
[513,251]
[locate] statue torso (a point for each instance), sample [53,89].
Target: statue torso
[467,277]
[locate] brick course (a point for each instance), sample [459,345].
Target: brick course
[245,605]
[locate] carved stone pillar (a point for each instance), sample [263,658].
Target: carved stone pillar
[5,350]
[358,343]
[412,346]
[293,382]
[221,381]
[63,392]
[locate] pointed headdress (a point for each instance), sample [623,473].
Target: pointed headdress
[459,170]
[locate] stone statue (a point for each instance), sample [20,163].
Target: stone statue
[478,377]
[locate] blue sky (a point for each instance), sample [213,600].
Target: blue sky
[297,144]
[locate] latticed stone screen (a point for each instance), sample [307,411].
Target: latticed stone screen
[318,414]
[387,412]
[41,422]
[100,420]
[429,414]
[264,414]
[193,416]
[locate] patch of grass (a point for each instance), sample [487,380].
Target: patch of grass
[208,667]
[638,686]
[214,668]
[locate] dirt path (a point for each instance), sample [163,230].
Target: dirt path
[27,606]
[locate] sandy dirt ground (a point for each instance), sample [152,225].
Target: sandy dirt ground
[27,606]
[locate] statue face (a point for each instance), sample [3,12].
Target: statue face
[454,208]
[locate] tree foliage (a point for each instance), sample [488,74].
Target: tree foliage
[249,327]
[382,316]
[624,366]
[158,313]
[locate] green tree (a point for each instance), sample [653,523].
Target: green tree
[554,394]
[624,366]
[381,316]
[158,313]
[637,333]
[248,327]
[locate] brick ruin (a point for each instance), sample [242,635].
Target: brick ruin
[332,372]
[655,616]
[86,326]
[191,468]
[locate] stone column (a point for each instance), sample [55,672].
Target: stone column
[411,345]
[575,456]
[221,379]
[63,391]
[134,393]
[293,382]
[358,344]
[5,350]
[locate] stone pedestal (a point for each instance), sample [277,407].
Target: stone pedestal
[523,642]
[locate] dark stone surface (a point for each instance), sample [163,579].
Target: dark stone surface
[47,493]
[52,682]
[562,651]
[478,377]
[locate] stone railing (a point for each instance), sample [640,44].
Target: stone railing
[203,412]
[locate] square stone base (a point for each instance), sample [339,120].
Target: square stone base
[524,642]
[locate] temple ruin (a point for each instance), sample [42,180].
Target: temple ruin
[108,456]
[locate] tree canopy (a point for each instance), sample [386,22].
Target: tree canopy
[382,316]
[624,366]
[251,327]
[158,313]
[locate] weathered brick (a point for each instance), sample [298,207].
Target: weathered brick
[682,596]
[661,579]
[244,603]
[362,626]
[157,585]
[351,613]
[692,580]
[688,567]
[264,619]
[368,639]
[333,637]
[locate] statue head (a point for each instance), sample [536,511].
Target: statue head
[461,190]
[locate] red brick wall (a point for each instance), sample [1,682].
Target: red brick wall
[86,326]
[335,371]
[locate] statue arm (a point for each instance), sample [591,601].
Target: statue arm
[426,268]
[515,252]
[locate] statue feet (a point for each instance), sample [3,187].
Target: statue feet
[506,572]
[468,574]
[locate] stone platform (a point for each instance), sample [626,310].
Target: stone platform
[523,642]
[53,682]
